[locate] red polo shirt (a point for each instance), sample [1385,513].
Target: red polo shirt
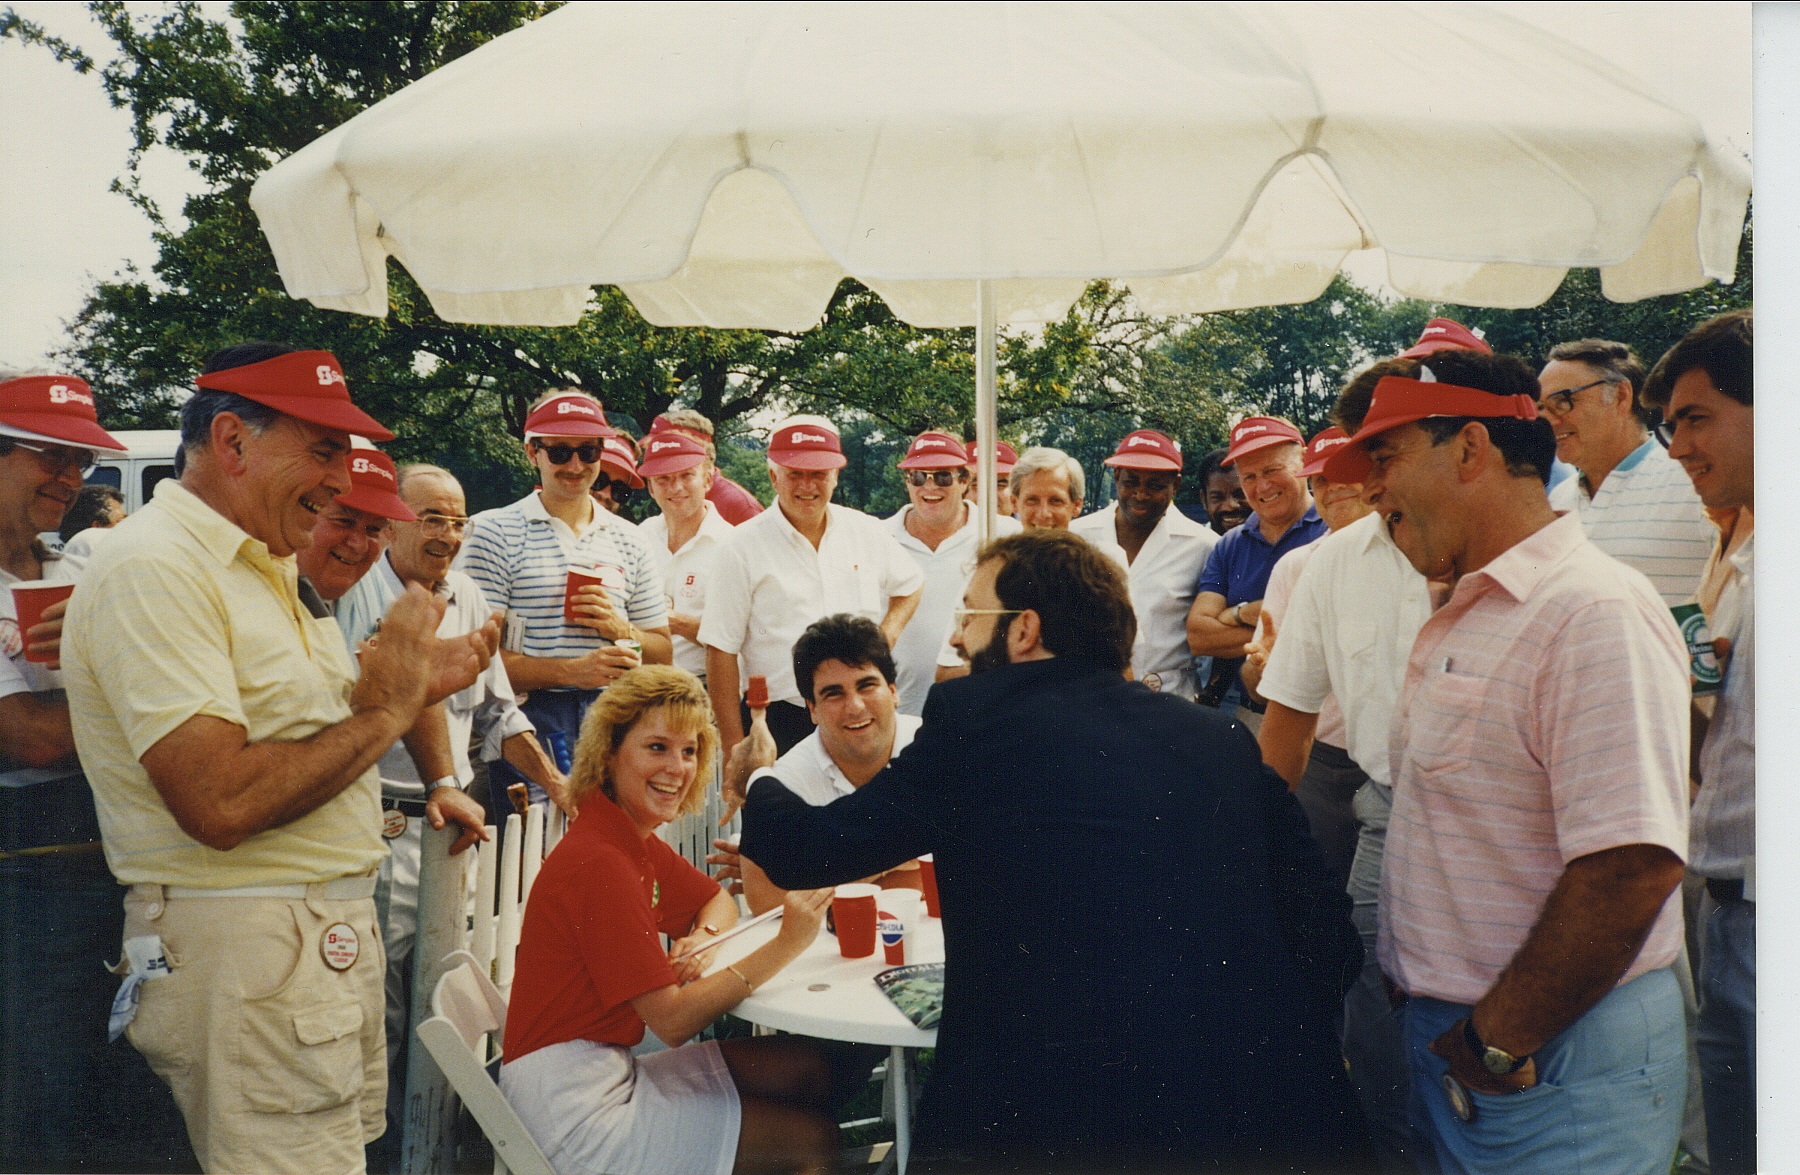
[589,942]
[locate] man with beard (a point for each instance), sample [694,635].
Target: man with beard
[1165,551]
[1540,795]
[1068,945]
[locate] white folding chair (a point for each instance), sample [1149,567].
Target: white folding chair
[466,1008]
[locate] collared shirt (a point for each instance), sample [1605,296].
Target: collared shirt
[1346,634]
[520,556]
[1240,564]
[685,575]
[946,571]
[488,705]
[1163,580]
[1724,833]
[19,676]
[769,584]
[179,614]
[1647,515]
[1544,718]
[811,773]
[1330,729]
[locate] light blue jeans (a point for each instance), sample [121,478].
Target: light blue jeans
[1726,1035]
[1607,1102]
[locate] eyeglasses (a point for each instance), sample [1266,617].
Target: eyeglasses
[560,454]
[1665,432]
[961,615]
[53,459]
[941,477]
[436,524]
[1559,403]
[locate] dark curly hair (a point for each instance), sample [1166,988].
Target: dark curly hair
[854,640]
[1080,596]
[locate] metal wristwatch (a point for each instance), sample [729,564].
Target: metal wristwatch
[1499,1062]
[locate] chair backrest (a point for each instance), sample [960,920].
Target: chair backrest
[465,1008]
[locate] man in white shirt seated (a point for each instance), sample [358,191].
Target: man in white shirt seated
[789,566]
[843,666]
[1164,549]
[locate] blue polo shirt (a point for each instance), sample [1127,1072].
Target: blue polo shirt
[1242,560]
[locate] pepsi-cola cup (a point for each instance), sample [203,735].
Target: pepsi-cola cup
[897,922]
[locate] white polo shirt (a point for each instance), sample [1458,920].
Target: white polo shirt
[1163,578]
[809,771]
[1647,516]
[1348,631]
[769,584]
[19,676]
[946,572]
[685,575]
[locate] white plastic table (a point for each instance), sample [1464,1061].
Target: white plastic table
[825,995]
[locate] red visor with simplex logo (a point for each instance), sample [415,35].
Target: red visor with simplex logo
[670,452]
[375,486]
[1320,449]
[573,415]
[1005,457]
[806,446]
[56,406]
[1445,334]
[1146,449]
[935,450]
[619,460]
[307,385]
[1259,432]
[1399,401]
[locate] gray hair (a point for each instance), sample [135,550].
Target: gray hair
[406,474]
[1043,459]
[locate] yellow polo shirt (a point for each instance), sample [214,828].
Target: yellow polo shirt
[182,613]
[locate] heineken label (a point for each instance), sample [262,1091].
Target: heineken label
[1703,661]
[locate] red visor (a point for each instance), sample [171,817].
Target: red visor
[619,459]
[670,452]
[1005,457]
[1146,449]
[573,415]
[806,446]
[1399,401]
[935,450]
[59,406]
[1260,432]
[1320,449]
[375,486]
[1445,334]
[307,385]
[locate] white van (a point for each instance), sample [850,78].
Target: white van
[148,458]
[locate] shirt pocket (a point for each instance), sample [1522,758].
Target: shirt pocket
[1448,714]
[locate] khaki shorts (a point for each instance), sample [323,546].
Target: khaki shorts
[277,1061]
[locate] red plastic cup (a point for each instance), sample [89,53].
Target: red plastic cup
[928,875]
[853,911]
[30,599]
[577,580]
[757,697]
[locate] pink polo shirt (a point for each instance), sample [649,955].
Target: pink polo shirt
[1543,718]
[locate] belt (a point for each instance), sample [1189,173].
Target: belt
[1725,889]
[414,808]
[341,889]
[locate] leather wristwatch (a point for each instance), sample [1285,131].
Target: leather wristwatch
[1499,1062]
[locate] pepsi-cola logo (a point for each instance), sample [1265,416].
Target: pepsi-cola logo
[64,394]
[579,407]
[329,375]
[892,931]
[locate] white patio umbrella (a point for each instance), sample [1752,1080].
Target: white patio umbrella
[728,164]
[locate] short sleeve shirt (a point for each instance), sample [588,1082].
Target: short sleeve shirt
[589,945]
[770,583]
[1280,591]
[19,676]
[1647,515]
[1240,564]
[809,771]
[179,614]
[1544,718]
[946,570]
[1163,580]
[686,574]
[520,556]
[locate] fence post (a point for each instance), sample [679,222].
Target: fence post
[428,1134]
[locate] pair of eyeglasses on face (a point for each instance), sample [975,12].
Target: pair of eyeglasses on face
[53,459]
[938,477]
[1665,432]
[961,615]
[560,454]
[1559,403]
[437,524]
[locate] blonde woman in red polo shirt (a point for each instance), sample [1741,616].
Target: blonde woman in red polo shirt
[592,973]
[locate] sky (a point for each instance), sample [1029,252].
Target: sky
[63,144]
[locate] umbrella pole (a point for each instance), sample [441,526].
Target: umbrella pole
[986,426]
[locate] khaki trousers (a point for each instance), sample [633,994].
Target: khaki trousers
[276,1059]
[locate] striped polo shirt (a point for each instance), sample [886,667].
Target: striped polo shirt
[1543,718]
[521,563]
[1647,515]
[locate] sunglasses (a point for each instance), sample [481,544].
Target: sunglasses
[560,454]
[53,459]
[941,477]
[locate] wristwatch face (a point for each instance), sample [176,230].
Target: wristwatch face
[1498,1061]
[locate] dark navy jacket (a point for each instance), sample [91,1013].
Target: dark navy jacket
[1143,950]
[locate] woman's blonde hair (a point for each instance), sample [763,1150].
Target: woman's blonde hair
[619,708]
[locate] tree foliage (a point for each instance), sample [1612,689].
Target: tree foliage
[235,96]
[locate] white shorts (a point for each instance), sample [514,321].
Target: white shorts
[594,1108]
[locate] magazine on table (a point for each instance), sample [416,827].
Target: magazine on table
[917,989]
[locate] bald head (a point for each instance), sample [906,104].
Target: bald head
[423,551]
